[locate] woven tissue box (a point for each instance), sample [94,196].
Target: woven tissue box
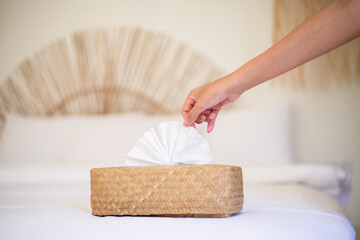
[181,190]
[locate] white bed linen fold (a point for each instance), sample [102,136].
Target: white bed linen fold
[329,179]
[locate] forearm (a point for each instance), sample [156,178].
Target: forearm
[331,27]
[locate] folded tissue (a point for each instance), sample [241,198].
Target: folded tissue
[170,143]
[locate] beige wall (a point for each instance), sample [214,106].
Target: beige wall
[220,29]
[327,123]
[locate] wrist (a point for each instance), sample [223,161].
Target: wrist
[237,82]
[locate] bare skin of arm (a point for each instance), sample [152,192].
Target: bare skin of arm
[336,24]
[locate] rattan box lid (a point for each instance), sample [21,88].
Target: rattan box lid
[182,190]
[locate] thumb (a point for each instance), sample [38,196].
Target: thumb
[193,114]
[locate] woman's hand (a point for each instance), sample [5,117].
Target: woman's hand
[205,102]
[331,27]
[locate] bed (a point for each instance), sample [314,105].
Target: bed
[71,107]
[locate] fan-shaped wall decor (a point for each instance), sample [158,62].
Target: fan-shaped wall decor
[106,71]
[340,66]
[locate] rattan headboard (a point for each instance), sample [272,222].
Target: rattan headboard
[106,71]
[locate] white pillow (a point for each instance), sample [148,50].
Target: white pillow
[242,137]
[239,137]
[92,140]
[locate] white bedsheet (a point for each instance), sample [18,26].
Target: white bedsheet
[53,203]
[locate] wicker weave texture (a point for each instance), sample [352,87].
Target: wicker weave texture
[184,190]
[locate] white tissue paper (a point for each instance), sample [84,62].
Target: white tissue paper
[170,143]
